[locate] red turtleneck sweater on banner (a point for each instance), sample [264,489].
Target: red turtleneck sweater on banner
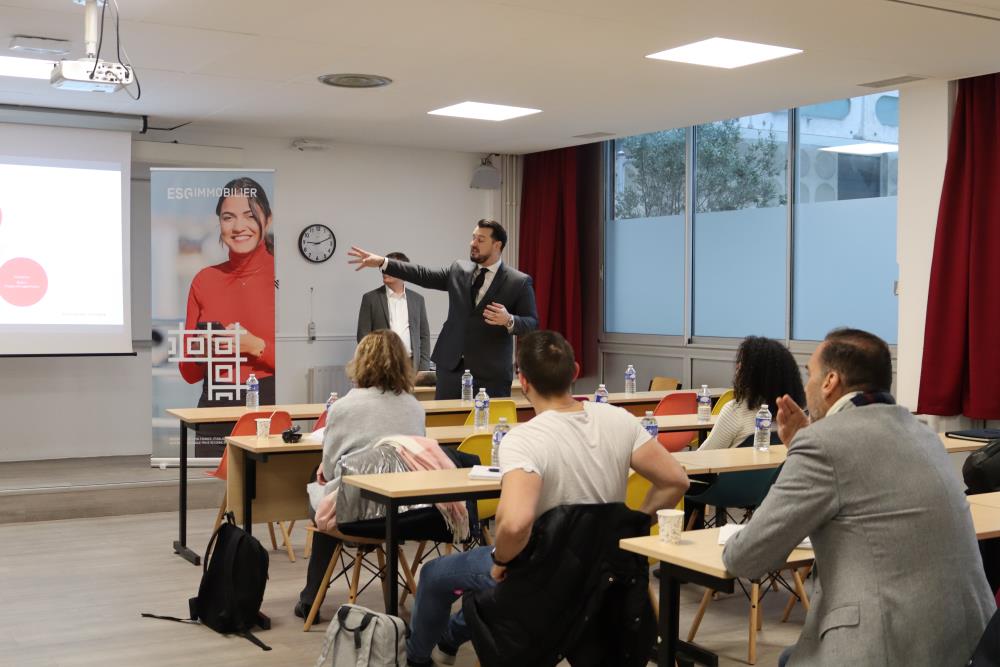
[240,290]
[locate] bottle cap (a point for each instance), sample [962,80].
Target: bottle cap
[649,413]
[468,371]
[502,420]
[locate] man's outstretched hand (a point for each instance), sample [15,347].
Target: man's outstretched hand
[791,418]
[364,259]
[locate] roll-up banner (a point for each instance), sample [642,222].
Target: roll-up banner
[213,298]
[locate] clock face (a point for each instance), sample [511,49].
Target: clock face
[317,243]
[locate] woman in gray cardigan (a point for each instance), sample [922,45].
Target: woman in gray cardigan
[380,404]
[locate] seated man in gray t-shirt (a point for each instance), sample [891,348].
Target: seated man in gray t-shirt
[570,453]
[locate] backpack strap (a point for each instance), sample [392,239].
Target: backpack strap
[365,622]
[227,572]
[169,618]
[249,636]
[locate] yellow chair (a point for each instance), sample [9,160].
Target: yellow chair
[500,407]
[635,492]
[481,444]
[727,396]
[664,383]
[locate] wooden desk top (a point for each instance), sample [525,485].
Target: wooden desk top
[273,445]
[699,550]
[985,518]
[222,415]
[452,435]
[986,499]
[954,445]
[733,460]
[423,483]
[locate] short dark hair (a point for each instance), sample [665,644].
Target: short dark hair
[765,371]
[862,359]
[398,255]
[496,231]
[547,362]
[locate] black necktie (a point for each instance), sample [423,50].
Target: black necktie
[477,284]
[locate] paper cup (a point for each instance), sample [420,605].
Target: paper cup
[671,522]
[263,428]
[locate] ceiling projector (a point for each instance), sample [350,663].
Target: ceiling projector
[90,75]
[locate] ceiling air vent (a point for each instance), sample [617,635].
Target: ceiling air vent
[893,82]
[594,135]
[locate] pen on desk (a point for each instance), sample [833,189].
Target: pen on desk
[494,469]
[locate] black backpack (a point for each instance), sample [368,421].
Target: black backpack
[981,471]
[232,584]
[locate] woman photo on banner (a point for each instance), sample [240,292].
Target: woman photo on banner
[235,297]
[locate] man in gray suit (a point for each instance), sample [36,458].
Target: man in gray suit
[488,304]
[401,310]
[902,579]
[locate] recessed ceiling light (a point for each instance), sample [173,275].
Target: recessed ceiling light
[355,80]
[725,53]
[483,111]
[866,148]
[26,68]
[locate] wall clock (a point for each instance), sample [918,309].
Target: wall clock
[317,243]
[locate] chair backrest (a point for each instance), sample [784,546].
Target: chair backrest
[636,489]
[745,489]
[727,396]
[684,403]
[664,383]
[246,425]
[499,407]
[481,445]
[320,422]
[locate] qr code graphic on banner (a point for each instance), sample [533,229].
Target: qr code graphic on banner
[216,347]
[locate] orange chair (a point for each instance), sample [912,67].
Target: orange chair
[684,403]
[321,422]
[280,421]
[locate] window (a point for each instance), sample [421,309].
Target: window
[844,259]
[644,240]
[746,274]
[740,220]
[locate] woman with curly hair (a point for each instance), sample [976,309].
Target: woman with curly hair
[380,404]
[765,370]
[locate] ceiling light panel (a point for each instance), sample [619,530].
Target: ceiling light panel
[724,53]
[865,148]
[483,111]
[26,68]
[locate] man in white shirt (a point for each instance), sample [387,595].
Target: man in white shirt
[571,453]
[401,310]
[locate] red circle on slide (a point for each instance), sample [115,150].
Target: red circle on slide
[23,282]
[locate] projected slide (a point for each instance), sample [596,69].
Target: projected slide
[61,261]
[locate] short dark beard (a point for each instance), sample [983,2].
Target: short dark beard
[481,260]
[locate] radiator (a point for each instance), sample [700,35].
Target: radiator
[324,379]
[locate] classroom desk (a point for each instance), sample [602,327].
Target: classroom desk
[985,499]
[697,560]
[736,459]
[191,418]
[426,393]
[411,488]
[276,491]
[955,445]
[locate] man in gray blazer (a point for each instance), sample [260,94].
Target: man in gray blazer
[488,304]
[401,310]
[896,552]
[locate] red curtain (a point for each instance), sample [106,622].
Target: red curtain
[550,250]
[960,372]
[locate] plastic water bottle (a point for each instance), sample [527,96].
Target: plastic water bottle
[649,423]
[482,418]
[333,399]
[253,392]
[499,431]
[467,386]
[705,405]
[601,395]
[630,379]
[762,429]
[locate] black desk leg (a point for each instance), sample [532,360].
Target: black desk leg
[180,546]
[672,649]
[392,557]
[249,491]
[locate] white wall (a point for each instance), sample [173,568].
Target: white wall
[925,111]
[379,198]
